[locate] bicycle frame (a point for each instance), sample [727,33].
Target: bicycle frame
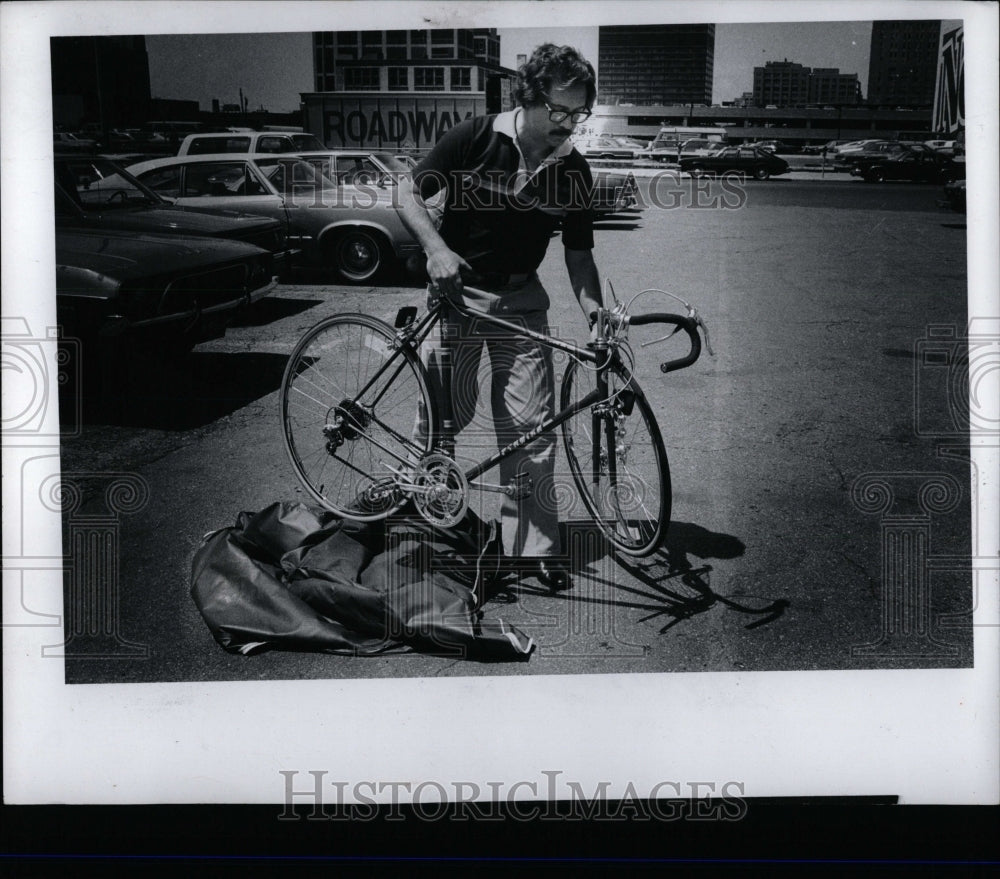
[413,335]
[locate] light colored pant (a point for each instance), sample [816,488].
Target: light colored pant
[522,396]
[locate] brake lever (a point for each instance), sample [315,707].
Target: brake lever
[697,318]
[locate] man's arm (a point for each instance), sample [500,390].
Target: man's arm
[443,264]
[585,280]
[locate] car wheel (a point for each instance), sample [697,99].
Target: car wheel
[358,255]
[761,173]
[873,175]
[697,171]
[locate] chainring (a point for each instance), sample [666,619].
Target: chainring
[441,491]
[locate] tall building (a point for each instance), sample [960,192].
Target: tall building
[100,81]
[656,64]
[781,84]
[903,63]
[440,60]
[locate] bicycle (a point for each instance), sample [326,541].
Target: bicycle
[348,399]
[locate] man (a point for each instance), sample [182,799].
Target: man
[511,180]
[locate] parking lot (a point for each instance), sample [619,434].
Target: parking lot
[818,294]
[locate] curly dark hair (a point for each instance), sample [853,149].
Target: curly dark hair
[551,65]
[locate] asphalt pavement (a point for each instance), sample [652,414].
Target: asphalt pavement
[781,556]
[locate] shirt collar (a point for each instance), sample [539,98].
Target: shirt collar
[506,123]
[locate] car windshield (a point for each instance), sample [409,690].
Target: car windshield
[285,173]
[100,185]
[391,163]
[305,142]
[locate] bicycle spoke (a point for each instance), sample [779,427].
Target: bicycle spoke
[622,476]
[349,404]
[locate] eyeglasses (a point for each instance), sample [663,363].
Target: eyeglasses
[576,116]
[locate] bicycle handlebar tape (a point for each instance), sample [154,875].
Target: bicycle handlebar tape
[685,323]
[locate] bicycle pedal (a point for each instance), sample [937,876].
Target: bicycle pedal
[520,487]
[405,316]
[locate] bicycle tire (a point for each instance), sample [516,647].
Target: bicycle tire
[339,440]
[631,500]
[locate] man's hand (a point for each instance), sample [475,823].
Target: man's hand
[444,268]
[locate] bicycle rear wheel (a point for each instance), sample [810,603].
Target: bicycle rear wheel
[618,460]
[349,404]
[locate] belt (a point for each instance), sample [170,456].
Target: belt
[495,279]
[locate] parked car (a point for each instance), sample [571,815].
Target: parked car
[66,141]
[249,142]
[747,160]
[614,191]
[602,148]
[95,193]
[634,145]
[918,163]
[698,146]
[854,145]
[354,229]
[156,291]
[847,159]
[778,146]
[816,149]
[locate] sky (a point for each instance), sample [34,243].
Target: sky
[272,69]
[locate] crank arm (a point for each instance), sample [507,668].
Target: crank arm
[487,486]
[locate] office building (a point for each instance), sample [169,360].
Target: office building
[781,84]
[403,89]
[656,64]
[787,84]
[828,86]
[440,60]
[903,63]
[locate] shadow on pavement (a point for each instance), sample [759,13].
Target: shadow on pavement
[666,584]
[184,393]
[685,590]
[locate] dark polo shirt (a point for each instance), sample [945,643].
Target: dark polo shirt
[496,217]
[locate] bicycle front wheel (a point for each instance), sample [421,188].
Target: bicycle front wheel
[355,411]
[618,460]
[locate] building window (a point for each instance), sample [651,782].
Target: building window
[461,79]
[398,79]
[361,78]
[418,44]
[428,78]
